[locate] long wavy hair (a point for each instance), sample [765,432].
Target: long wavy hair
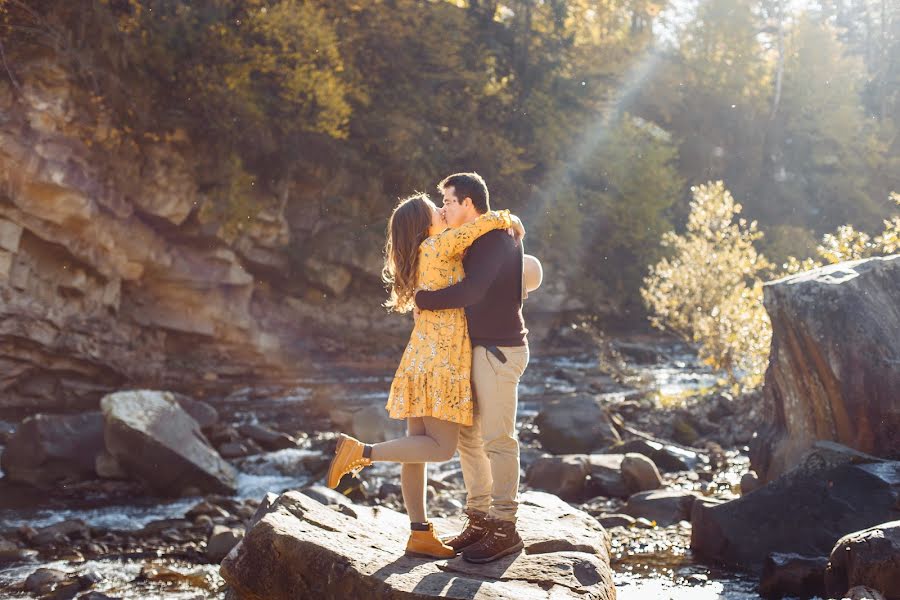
[407,228]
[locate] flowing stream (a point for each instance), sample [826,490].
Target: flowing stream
[653,563]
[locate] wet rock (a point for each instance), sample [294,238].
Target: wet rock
[90,577]
[206,508]
[63,531]
[238,449]
[870,557]
[833,368]
[44,581]
[578,476]
[640,473]
[202,412]
[160,525]
[615,520]
[643,354]
[222,433]
[326,495]
[204,522]
[697,579]
[49,448]
[10,553]
[793,575]
[266,437]
[664,507]
[221,541]
[606,478]
[666,457]
[576,424]
[749,482]
[684,430]
[563,476]
[155,440]
[862,592]
[302,545]
[389,488]
[373,424]
[801,512]
[107,467]
[97,596]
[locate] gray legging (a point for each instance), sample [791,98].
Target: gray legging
[427,440]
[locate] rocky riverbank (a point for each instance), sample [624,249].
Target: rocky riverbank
[661,464]
[116,528]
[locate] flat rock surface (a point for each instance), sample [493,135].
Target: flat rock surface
[302,548]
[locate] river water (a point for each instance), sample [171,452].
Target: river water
[648,564]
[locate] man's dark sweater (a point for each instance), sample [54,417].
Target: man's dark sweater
[491,293]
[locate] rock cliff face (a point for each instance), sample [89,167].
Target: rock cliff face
[111,275]
[834,370]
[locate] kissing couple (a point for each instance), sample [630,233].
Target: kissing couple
[461,269]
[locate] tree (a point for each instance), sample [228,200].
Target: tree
[708,290]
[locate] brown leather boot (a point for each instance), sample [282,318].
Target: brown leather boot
[348,458]
[501,540]
[425,544]
[476,527]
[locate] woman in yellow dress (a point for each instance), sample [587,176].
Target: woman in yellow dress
[432,388]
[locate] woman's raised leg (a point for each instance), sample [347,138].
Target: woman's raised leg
[412,477]
[436,444]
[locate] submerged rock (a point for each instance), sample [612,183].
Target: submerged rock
[153,439]
[666,507]
[793,575]
[301,548]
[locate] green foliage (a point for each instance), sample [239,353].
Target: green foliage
[351,104]
[823,135]
[709,290]
[633,182]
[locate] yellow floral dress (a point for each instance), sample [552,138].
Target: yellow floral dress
[434,376]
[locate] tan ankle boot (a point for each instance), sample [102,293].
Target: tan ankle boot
[425,544]
[348,458]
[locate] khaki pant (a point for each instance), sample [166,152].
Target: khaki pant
[489,449]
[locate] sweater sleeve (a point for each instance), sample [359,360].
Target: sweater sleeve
[454,242]
[482,266]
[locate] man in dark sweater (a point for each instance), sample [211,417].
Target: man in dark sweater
[491,294]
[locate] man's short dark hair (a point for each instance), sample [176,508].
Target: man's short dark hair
[469,185]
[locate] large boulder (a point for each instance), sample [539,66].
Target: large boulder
[576,424]
[870,557]
[803,512]
[302,548]
[155,440]
[48,448]
[833,372]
